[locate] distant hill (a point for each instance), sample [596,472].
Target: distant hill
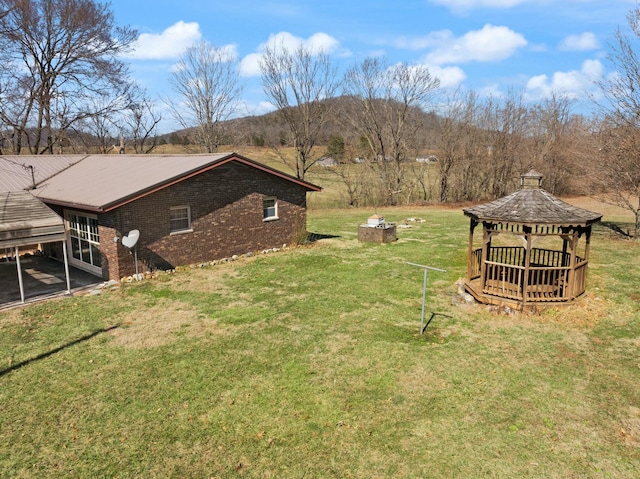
[269,129]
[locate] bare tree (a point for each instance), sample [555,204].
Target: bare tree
[619,164]
[299,84]
[141,121]
[458,145]
[552,142]
[617,171]
[504,121]
[58,54]
[351,176]
[389,113]
[103,129]
[207,81]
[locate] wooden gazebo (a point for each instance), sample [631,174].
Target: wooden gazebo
[534,249]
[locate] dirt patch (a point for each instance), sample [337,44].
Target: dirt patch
[207,279]
[159,325]
[12,317]
[584,312]
[630,430]
[337,243]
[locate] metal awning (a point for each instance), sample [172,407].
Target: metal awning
[25,220]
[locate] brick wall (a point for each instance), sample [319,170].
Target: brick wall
[226,219]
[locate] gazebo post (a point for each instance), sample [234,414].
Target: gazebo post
[527,264]
[572,264]
[470,259]
[565,244]
[486,242]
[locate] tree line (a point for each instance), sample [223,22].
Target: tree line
[64,83]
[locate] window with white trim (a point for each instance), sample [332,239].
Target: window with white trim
[270,209]
[180,219]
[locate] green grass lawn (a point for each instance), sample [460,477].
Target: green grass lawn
[309,363]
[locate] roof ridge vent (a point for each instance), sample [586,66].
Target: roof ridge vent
[531,180]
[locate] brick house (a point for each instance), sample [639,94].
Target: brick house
[187,209]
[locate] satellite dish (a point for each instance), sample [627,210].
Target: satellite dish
[131,239]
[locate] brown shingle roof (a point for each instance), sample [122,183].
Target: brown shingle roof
[532,206]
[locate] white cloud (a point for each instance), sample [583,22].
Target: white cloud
[316,43]
[573,84]
[250,65]
[321,42]
[491,43]
[229,51]
[575,43]
[169,44]
[450,77]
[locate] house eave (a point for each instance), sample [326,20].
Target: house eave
[233,157]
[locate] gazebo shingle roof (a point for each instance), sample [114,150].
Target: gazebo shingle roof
[532,205]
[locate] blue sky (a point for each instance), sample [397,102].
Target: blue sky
[491,46]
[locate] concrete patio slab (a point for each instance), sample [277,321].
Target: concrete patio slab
[42,278]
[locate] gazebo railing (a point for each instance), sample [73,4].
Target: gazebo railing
[507,255]
[548,278]
[476,261]
[503,280]
[548,284]
[580,277]
[515,255]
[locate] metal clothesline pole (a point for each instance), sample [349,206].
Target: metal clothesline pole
[424,289]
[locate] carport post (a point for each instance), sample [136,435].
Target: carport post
[66,265]
[19,274]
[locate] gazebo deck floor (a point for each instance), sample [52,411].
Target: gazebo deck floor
[474,288]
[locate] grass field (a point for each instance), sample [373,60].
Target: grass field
[309,363]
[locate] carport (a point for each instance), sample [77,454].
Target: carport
[25,222]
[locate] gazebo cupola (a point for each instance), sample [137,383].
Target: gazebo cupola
[534,248]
